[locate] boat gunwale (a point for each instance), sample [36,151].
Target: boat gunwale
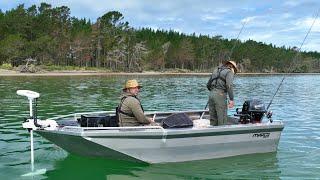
[153,131]
[75,115]
[158,132]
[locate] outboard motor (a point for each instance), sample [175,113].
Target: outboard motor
[252,111]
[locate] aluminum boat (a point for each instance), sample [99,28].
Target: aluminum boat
[89,134]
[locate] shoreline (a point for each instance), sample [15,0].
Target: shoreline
[4,72]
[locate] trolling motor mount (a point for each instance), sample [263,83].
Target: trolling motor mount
[31,122]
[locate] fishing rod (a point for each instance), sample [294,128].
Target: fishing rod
[231,52]
[298,52]
[235,43]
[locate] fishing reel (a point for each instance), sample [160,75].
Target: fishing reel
[269,116]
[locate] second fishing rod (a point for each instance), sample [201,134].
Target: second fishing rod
[296,56]
[254,110]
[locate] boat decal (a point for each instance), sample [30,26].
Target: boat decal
[261,135]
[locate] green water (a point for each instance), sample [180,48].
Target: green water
[296,104]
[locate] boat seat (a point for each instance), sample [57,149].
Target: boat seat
[179,120]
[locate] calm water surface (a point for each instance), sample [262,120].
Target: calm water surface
[297,104]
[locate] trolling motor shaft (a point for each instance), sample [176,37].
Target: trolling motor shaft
[28,124]
[32,123]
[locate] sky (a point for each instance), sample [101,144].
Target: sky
[280,22]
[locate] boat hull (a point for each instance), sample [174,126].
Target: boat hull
[171,145]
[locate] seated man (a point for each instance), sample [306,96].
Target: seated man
[130,110]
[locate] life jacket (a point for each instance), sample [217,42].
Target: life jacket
[216,76]
[118,108]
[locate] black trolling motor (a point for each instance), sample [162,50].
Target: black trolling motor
[252,112]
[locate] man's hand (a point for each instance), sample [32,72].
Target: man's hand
[231,104]
[151,120]
[153,123]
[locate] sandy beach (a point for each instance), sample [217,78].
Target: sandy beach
[4,72]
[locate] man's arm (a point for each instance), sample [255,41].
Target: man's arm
[229,85]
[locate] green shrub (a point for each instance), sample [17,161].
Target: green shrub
[6,66]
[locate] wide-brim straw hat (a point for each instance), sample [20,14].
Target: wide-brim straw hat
[234,64]
[131,84]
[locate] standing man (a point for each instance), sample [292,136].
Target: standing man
[130,111]
[220,84]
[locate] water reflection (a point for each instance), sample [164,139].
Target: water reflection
[76,167]
[258,166]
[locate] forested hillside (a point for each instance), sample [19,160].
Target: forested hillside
[52,37]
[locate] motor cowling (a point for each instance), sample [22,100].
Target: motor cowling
[252,111]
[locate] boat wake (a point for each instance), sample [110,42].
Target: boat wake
[35,173]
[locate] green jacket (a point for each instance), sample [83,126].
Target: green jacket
[132,111]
